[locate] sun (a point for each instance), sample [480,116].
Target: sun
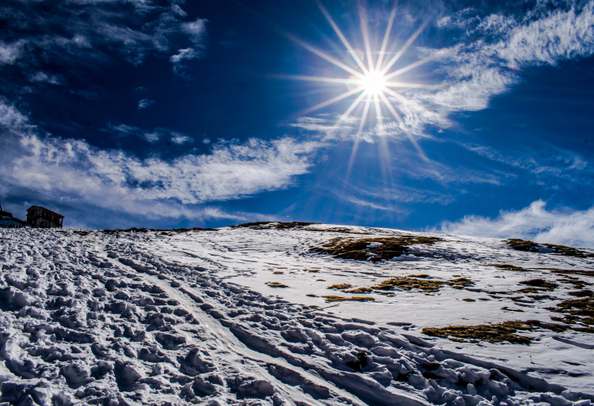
[371,80]
[373,83]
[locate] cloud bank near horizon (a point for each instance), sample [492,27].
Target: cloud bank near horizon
[565,227]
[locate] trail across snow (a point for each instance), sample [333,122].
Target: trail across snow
[170,318]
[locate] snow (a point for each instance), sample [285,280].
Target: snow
[172,318]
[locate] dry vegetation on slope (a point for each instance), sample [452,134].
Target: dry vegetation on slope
[372,249]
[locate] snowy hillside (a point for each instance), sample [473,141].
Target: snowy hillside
[292,314]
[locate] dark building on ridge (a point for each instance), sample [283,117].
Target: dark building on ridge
[38,216]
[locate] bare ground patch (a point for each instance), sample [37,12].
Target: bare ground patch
[579,313]
[493,333]
[507,267]
[274,225]
[530,246]
[423,284]
[372,249]
[340,286]
[276,285]
[332,298]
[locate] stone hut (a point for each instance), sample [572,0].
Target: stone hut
[38,216]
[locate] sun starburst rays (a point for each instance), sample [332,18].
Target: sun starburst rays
[370,78]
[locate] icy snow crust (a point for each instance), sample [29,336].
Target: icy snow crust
[168,318]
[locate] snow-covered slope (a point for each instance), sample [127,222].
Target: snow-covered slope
[295,314]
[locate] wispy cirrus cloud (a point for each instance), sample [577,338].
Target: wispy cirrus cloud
[129,130]
[495,48]
[542,165]
[567,227]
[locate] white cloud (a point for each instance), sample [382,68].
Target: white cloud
[145,103]
[186,54]
[179,139]
[560,35]
[567,227]
[178,10]
[72,170]
[218,213]
[151,136]
[196,30]
[11,118]
[9,53]
[490,65]
[127,130]
[105,32]
[44,77]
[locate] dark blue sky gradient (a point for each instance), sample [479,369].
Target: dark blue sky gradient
[78,71]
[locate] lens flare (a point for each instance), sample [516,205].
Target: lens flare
[372,82]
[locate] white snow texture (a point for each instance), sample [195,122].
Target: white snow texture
[186,317]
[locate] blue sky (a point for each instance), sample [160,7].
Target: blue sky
[172,114]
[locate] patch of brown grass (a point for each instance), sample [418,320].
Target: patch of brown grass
[343,230]
[582,293]
[276,285]
[340,286]
[384,248]
[426,285]
[507,267]
[571,271]
[529,246]
[278,273]
[460,283]
[527,290]
[332,298]
[358,290]
[493,333]
[540,284]
[275,225]
[406,283]
[577,310]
